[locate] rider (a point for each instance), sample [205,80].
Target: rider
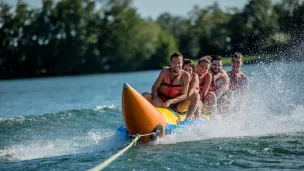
[192,102]
[171,86]
[188,66]
[238,80]
[205,78]
[220,83]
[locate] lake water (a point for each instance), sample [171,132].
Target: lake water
[69,123]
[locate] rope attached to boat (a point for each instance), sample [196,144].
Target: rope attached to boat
[115,156]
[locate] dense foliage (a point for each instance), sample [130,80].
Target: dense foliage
[84,36]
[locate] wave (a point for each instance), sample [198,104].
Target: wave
[240,125]
[62,133]
[70,118]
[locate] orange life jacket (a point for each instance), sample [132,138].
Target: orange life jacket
[170,89]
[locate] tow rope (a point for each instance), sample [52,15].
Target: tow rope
[115,156]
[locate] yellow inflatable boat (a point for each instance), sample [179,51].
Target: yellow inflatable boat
[141,117]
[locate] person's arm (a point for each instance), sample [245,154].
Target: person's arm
[157,83]
[223,86]
[185,85]
[206,86]
[244,82]
[194,86]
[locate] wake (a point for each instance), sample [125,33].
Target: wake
[63,133]
[273,105]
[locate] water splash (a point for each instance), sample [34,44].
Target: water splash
[105,107]
[95,140]
[63,133]
[240,125]
[273,105]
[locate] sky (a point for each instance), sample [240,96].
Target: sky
[153,8]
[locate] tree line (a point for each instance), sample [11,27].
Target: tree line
[71,37]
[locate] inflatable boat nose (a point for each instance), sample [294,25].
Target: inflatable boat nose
[140,116]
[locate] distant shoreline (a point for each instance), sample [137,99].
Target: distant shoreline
[227,60]
[248,59]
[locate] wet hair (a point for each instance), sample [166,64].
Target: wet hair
[237,55]
[216,58]
[176,54]
[187,61]
[206,59]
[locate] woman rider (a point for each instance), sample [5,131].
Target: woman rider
[205,83]
[188,66]
[193,90]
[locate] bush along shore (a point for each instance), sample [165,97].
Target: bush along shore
[73,37]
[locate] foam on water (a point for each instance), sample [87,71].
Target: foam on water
[272,106]
[63,133]
[103,107]
[95,140]
[233,126]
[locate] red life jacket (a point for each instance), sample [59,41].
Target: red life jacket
[202,84]
[212,85]
[170,89]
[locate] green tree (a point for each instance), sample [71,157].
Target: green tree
[253,26]
[211,28]
[5,36]
[126,41]
[288,13]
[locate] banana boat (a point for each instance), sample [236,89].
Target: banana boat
[142,118]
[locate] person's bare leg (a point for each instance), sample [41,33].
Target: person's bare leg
[148,96]
[209,101]
[156,102]
[183,106]
[223,105]
[198,112]
[194,102]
